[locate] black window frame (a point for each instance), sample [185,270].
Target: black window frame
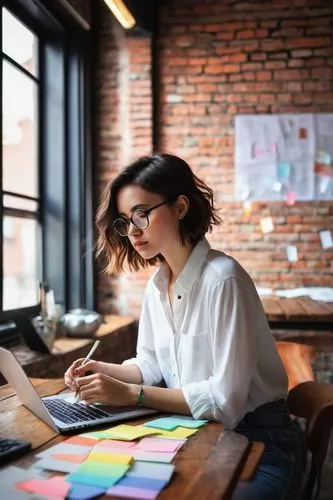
[65,171]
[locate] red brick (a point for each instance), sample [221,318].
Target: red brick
[264,76]
[311,42]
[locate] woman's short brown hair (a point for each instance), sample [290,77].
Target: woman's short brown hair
[162,174]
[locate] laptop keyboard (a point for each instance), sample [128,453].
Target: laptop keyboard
[72,413]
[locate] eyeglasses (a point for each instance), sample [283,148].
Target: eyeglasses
[139,219]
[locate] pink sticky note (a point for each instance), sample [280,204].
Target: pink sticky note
[56,487]
[115,443]
[160,444]
[291,198]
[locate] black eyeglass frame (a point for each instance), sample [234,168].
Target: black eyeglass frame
[129,220]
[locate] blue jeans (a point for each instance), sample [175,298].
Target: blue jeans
[280,472]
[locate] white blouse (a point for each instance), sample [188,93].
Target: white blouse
[216,344]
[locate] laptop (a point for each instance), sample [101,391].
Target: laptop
[61,412]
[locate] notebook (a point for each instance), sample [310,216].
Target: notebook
[61,412]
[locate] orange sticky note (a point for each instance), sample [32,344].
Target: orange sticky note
[70,457]
[82,440]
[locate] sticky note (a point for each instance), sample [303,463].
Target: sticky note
[179,433]
[292,253]
[92,479]
[326,239]
[323,157]
[151,470]
[171,423]
[257,150]
[102,468]
[143,482]
[283,170]
[266,224]
[125,432]
[247,207]
[109,457]
[65,448]
[277,186]
[52,464]
[84,492]
[324,182]
[291,198]
[54,487]
[70,457]
[272,148]
[128,492]
[81,440]
[115,443]
[12,475]
[160,444]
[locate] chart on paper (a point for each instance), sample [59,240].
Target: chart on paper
[284,157]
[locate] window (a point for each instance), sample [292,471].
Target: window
[20,165]
[46,180]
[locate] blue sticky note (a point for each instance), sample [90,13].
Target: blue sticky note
[283,170]
[145,483]
[92,479]
[84,492]
[171,423]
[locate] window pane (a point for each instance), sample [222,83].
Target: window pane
[15,202]
[19,120]
[19,43]
[20,266]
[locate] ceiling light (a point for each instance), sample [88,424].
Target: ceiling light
[121,12]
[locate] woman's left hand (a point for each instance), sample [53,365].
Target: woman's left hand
[104,389]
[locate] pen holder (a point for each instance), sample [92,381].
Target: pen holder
[46,329]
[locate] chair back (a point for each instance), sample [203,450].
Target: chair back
[296,359]
[314,402]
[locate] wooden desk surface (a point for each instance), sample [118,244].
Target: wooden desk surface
[300,309]
[207,466]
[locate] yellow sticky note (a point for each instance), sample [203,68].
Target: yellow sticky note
[110,458]
[128,432]
[266,224]
[179,433]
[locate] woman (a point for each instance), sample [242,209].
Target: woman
[202,331]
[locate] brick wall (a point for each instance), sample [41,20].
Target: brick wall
[212,65]
[123,104]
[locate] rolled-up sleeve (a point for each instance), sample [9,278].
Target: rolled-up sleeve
[145,358]
[233,321]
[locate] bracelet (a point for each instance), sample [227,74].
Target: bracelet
[140,397]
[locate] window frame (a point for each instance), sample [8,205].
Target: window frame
[65,173]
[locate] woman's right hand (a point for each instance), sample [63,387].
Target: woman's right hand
[76,370]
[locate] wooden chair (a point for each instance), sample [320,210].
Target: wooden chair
[314,402]
[297,361]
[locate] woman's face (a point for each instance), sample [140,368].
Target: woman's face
[162,233]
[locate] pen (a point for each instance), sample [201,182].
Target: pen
[86,359]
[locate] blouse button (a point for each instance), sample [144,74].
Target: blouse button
[179,297]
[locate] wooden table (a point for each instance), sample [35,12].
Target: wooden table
[207,466]
[298,311]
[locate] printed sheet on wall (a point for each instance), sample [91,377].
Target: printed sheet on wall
[284,157]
